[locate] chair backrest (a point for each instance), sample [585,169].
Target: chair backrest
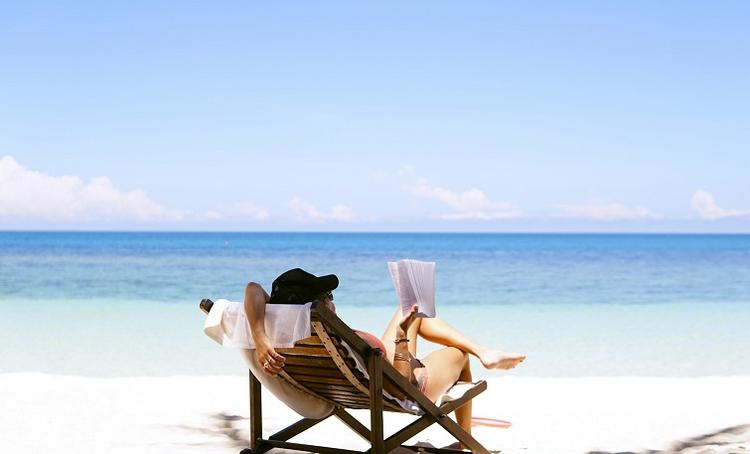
[331,364]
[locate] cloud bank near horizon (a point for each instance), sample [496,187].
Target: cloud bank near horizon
[31,196]
[605,212]
[305,212]
[469,204]
[28,194]
[703,203]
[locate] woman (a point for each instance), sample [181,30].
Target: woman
[434,375]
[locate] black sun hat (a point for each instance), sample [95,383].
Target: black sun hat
[297,286]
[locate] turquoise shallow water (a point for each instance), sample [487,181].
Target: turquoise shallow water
[114,304]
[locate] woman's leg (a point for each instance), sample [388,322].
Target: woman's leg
[437,331]
[389,336]
[444,368]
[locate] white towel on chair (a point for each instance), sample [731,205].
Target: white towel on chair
[227,324]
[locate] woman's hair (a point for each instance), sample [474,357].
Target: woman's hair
[322,296]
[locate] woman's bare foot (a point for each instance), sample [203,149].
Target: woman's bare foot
[496,359]
[408,320]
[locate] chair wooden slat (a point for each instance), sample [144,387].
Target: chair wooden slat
[304,351]
[311,361]
[348,394]
[314,379]
[341,399]
[328,386]
[317,371]
[313,341]
[301,387]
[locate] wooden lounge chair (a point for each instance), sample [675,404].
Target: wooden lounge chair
[336,365]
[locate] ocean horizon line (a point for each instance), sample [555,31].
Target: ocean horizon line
[382,232]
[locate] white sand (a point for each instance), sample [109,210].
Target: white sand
[67,414]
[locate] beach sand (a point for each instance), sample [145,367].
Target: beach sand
[208,414]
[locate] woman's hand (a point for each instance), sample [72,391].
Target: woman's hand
[269,360]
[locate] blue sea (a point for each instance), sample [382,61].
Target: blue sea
[126,303]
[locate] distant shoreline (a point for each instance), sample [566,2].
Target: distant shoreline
[364,232]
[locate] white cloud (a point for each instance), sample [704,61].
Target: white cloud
[28,195]
[212,215]
[704,204]
[469,204]
[406,169]
[305,211]
[245,211]
[604,212]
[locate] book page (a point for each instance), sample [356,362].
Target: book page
[414,282]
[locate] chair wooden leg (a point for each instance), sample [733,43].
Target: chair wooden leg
[461,435]
[407,432]
[256,413]
[296,429]
[353,424]
[375,369]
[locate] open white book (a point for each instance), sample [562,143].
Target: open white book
[415,284]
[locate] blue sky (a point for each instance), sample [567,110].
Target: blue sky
[418,116]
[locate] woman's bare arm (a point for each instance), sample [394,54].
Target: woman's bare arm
[255,308]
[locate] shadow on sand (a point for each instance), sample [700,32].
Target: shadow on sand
[732,440]
[225,426]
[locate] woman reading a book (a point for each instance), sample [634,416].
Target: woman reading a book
[433,375]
